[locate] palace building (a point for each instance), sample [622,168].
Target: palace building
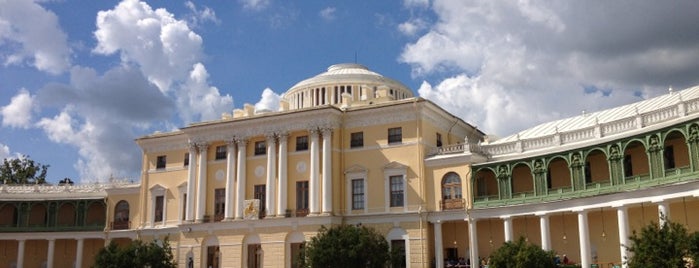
[350,146]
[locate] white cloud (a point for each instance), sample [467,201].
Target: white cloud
[328,13]
[505,66]
[416,3]
[4,151]
[30,32]
[164,48]
[412,27]
[19,112]
[200,16]
[255,4]
[198,101]
[269,101]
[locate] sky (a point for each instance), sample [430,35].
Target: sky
[80,80]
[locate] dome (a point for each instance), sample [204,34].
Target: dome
[350,80]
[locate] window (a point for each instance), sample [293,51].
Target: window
[260,148]
[121,216]
[588,172]
[439,140]
[186,159]
[159,208]
[358,194]
[219,204]
[220,152]
[669,156]
[301,198]
[184,206]
[302,143]
[628,167]
[395,135]
[396,183]
[357,139]
[161,162]
[260,190]
[398,246]
[451,186]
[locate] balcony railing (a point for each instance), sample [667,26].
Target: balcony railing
[454,203]
[120,225]
[302,212]
[15,229]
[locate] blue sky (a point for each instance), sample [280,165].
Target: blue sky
[80,80]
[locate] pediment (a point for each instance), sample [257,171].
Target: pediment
[157,187]
[356,169]
[395,166]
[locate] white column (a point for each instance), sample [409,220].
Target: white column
[20,253]
[545,234]
[623,222]
[438,250]
[240,183]
[271,193]
[230,178]
[313,187]
[201,185]
[189,216]
[584,238]
[473,241]
[49,255]
[507,223]
[663,213]
[282,187]
[78,253]
[327,173]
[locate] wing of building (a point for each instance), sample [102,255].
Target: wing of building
[350,146]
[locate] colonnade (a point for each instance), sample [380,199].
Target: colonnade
[276,179]
[586,259]
[50,254]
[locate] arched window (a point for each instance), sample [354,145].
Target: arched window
[451,191]
[121,215]
[451,186]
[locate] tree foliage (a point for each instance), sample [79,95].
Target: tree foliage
[154,254]
[347,246]
[22,170]
[521,254]
[668,245]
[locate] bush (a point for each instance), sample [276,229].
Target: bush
[153,254]
[347,246]
[666,246]
[521,254]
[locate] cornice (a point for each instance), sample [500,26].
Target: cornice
[380,115]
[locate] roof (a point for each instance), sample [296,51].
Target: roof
[349,72]
[588,120]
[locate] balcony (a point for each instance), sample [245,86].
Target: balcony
[120,225]
[43,228]
[451,204]
[302,212]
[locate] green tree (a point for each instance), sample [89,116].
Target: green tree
[347,246]
[22,170]
[154,254]
[521,254]
[659,246]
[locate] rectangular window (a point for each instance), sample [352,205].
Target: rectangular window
[301,143]
[357,139]
[219,204]
[184,207]
[628,167]
[588,172]
[186,159]
[260,193]
[159,208]
[220,152]
[439,140]
[358,194]
[161,162]
[669,157]
[395,135]
[396,183]
[301,198]
[260,148]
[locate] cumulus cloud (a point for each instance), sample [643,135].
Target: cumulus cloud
[416,3]
[4,151]
[412,27]
[269,101]
[19,112]
[201,16]
[28,32]
[505,66]
[328,13]
[198,101]
[255,5]
[101,115]
[163,47]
